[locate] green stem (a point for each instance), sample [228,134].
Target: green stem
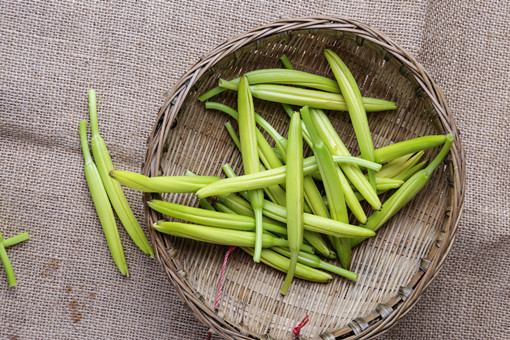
[7,264]
[16,239]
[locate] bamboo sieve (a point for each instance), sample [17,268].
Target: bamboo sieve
[394,267]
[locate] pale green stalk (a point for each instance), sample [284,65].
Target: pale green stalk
[273,176]
[223,208]
[102,204]
[314,261]
[113,188]
[249,153]
[295,199]
[333,186]
[227,237]
[287,77]
[405,193]
[16,239]
[280,141]
[350,198]
[268,159]
[335,145]
[11,278]
[286,62]
[393,168]
[305,97]
[312,198]
[396,150]
[162,184]
[281,263]
[355,106]
[233,135]
[312,194]
[313,238]
[280,76]
[211,218]
[406,174]
[311,222]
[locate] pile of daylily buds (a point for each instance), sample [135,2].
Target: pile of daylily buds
[286,209]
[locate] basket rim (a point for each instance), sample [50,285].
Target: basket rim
[409,296]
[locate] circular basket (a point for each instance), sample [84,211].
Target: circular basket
[394,267]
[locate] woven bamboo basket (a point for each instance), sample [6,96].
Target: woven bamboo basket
[394,267]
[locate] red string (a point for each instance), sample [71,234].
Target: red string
[222,276]
[296,330]
[220,285]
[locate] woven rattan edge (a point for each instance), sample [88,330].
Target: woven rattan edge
[169,111]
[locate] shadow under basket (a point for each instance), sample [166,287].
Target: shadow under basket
[394,267]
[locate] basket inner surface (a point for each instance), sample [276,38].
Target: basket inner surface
[199,142]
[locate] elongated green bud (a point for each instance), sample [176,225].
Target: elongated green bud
[355,106]
[312,98]
[352,172]
[249,151]
[162,184]
[314,261]
[406,174]
[406,192]
[211,218]
[282,263]
[102,204]
[393,151]
[295,199]
[113,188]
[272,177]
[214,235]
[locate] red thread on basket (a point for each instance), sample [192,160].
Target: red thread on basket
[296,330]
[220,285]
[222,276]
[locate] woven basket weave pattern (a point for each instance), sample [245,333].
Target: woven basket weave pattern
[394,268]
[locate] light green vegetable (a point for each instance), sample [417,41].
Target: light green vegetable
[406,174]
[211,218]
[249,153]
[162,184]
[271,177]
[333,186]
[115,194]
[305,97]
[396,166]
[355,106]
[281,142]
[16,239]
[313,238]
[267,157]
[336,147]
[295,198]
[11,278]
[350,198]
[314,261]
[280,76]
[102,204]
[311,222]
[405,193]
[222,236]
[393,151]
[282,263]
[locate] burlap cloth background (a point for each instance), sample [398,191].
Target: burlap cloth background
[132,53]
